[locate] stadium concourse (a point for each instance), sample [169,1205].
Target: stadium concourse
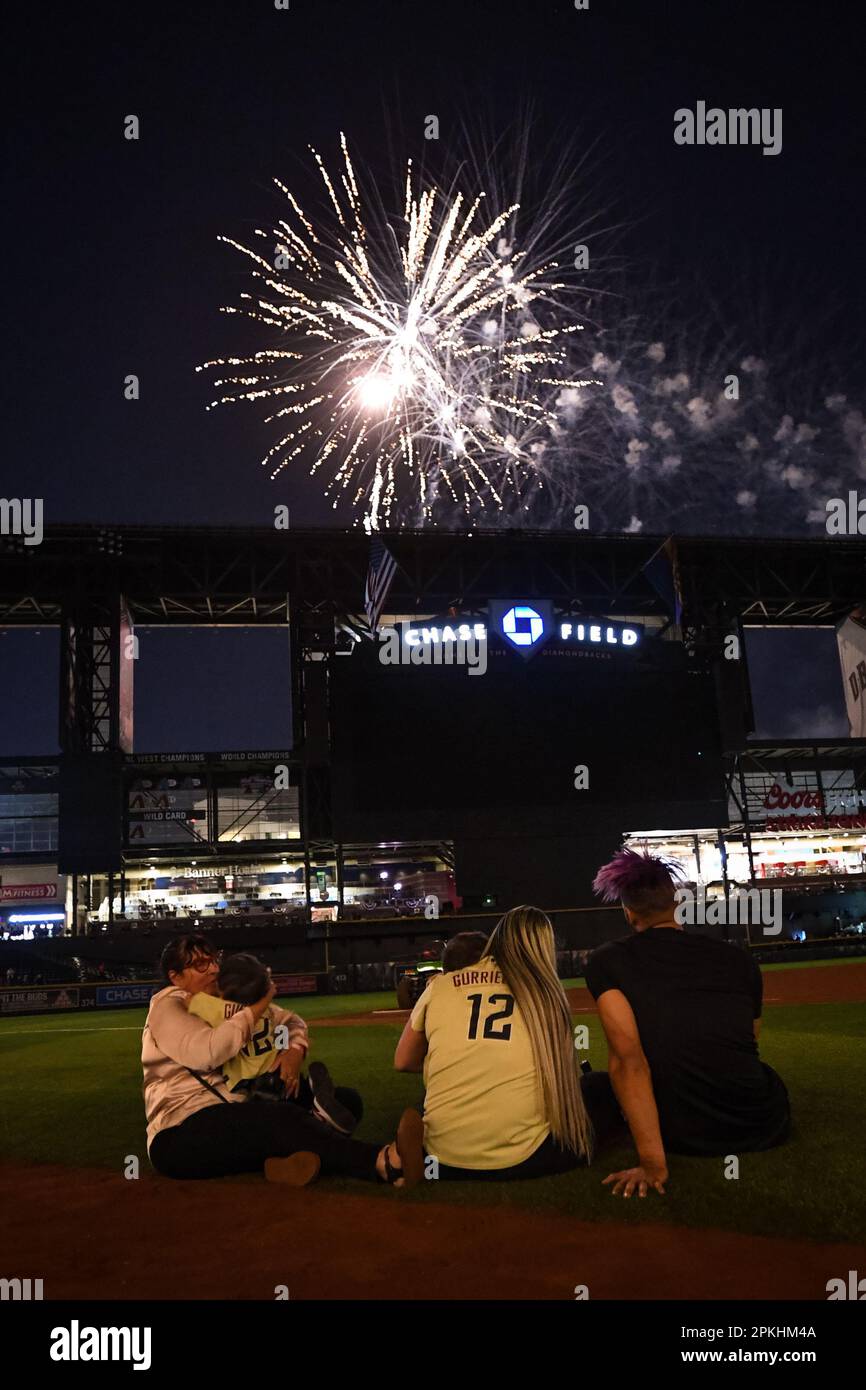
[71,1207]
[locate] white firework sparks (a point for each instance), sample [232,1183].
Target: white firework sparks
[420,358]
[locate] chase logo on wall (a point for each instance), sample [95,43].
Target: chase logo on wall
[521,624]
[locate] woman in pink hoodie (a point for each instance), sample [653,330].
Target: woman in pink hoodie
[197,1128]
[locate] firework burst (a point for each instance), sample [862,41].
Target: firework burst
[419,357]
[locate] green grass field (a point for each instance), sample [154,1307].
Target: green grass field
[70,1093]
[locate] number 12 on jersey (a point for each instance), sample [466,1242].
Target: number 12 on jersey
[489,1031]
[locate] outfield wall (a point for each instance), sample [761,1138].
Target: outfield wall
[357,977]
[46,999]
[119,994]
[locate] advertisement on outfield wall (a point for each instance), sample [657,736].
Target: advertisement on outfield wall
[296,984]
[110,996]
[124,994]
[31,1001]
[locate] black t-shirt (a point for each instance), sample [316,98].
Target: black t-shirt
[694,1000]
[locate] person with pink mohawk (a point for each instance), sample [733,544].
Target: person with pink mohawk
[681,1013]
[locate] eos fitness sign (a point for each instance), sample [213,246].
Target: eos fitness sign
[24,892]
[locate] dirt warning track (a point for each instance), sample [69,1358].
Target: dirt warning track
[827,984]
[98,1236]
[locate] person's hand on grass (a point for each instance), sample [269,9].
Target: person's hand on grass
[639,1179]
[288,1064]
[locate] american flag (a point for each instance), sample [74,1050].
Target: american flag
[381,571]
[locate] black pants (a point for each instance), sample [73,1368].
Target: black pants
[272,1085]
[237,1137]
[549,1158]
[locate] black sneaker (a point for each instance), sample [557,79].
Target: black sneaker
[326,1106]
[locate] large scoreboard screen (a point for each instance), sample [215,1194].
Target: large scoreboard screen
[601,725]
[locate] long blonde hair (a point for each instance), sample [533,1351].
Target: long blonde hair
[522,944]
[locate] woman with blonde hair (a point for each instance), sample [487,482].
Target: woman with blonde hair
[504,1098]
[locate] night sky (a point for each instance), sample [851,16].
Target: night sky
[115,268]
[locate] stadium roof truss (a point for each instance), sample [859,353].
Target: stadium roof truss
[176,576]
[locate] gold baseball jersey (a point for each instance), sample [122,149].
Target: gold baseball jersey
[258,1055]
[483,1105]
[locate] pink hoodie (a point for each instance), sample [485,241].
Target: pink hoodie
[174,1039]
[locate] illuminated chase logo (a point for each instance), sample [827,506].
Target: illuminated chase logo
[528,626]
[523,625]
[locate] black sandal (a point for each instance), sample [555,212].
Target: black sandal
[410,1147]
[392,1174]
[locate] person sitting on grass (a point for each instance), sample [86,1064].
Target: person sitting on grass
[682,1014]
[504,1099]
[198,1128]
[258,1071]
[466,948]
